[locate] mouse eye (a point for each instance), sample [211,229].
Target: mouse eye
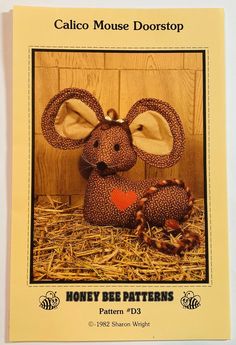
[116,147]
[96,143]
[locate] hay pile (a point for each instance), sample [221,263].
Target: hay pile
[66,248]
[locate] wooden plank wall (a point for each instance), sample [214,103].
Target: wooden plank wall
[118,80]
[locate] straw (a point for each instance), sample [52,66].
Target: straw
[66,248]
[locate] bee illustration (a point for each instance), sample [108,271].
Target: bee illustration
[190,301]
[50,301]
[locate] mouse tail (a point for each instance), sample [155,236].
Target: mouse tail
[183,239]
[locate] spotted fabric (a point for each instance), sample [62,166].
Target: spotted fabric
[168,202]
[110,143]
[158,203]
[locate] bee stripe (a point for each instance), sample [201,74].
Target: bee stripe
[193,303]
[46,304]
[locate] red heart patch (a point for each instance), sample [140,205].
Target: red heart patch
[122,200]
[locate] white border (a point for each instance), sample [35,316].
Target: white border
[5,128]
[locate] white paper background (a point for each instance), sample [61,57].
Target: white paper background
[5,132]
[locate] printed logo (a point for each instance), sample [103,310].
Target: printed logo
[49,301]
[190,301]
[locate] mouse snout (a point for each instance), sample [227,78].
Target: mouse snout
[101,166]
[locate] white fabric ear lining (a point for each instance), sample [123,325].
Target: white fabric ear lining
[151,133]
[75,120]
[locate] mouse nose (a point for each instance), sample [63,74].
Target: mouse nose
[101,166]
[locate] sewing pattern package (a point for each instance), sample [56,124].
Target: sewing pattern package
[119,214]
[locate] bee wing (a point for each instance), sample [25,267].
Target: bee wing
[41,299]
[197,298]
[50,294]
[189,294]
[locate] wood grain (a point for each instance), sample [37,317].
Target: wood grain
[69,59]
[53,199]
[198,109]
[174,87]
[56,171]
[189,168]
[77,200]
[197,169]
[104,85]
[46,86]
[145,61]
[193,61]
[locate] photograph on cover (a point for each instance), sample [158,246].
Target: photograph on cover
[118,167]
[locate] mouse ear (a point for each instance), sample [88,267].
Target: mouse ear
[157,132]
[70,117]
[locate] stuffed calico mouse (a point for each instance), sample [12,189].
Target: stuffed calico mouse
[151,130]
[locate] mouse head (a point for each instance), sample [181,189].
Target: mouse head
[152,130]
